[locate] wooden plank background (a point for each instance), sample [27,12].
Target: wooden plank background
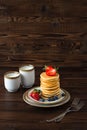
[43,32]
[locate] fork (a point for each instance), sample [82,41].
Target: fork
[76,108]
[60,117]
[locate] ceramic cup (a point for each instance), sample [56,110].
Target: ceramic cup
[12,81]
[27,75]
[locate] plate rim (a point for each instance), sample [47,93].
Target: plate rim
[32,103]
[48,102]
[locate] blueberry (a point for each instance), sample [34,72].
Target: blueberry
[55,97]
[49,99]
[42,100]
[63,94]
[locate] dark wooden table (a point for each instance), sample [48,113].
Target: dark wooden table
[15,114]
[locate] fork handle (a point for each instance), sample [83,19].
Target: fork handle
[61,116]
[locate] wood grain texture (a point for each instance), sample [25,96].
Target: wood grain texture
[39,32]
[16,114]
[43,32]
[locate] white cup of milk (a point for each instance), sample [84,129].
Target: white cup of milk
[12,81]
[27,75]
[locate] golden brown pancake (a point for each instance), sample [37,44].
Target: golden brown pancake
[50,85]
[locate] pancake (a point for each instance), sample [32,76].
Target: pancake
[50,85]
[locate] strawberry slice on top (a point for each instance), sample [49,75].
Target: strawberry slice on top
[50,71]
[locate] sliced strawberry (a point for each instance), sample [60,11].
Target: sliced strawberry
[35,95]
[51,72]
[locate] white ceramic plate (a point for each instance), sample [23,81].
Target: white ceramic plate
[38,104]
[60,97]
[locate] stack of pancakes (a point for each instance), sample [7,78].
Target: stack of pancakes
[50,85]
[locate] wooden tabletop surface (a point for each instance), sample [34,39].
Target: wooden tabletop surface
[15,114]
[43,32]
